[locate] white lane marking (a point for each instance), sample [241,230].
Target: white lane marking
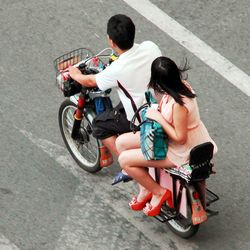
[195,45]
[72,231]
[5,244]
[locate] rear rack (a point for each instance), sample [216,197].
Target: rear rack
[210,197]
[167,213]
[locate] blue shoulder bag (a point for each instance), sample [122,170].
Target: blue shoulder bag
[153,139]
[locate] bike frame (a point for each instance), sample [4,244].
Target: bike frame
[178,194]
[168,182]
[78,115]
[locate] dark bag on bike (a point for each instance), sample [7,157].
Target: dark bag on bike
[103,103]
[153,138]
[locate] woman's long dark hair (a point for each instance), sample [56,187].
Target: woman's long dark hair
[166,77]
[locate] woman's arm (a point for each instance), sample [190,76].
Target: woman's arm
[177,132]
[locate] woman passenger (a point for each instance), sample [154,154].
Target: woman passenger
[179,116]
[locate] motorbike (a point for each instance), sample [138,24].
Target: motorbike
[191,199]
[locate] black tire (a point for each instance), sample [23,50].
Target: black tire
[183,226]
[84,151]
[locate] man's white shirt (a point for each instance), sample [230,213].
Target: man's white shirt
[130,75]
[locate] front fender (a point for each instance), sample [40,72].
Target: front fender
[74,99]
[89,113]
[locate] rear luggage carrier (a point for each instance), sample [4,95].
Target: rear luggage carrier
[167,214]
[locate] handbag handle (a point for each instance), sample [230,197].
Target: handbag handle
[134,127]
[150,100]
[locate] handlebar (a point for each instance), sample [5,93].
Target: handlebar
[86,70]
[87,62]
[71,87]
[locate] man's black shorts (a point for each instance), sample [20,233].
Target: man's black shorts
[111,122]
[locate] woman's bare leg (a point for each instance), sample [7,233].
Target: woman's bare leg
[143,192]
[128,141]
[133,162]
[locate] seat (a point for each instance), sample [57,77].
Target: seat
[201,153]
[199,166]
[200,161]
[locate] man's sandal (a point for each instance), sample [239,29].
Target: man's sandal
[121,177]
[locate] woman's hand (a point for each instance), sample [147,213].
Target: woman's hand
[154,115]
[176,131]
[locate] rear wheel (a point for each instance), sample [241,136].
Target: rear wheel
[85,149]
[183,226]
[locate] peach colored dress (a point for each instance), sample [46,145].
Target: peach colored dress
[197,132]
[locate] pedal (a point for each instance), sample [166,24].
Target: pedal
[166,214]
[160,218]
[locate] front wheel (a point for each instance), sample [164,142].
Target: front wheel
[85,149]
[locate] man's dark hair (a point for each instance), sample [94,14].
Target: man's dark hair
[121,30]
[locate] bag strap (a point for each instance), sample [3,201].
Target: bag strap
[134,127]
[130,98]
[150,99]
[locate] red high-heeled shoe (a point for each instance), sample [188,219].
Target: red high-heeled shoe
[153,211]
[139,205]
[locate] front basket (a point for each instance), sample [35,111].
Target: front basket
[71,58]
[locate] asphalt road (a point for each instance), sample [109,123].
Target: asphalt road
[46,201]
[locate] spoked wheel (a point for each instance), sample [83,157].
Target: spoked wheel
[85,149]
[183,226]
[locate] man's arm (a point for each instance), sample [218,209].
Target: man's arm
[85,80]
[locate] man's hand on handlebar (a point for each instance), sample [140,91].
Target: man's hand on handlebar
[85,80]
[74,72]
